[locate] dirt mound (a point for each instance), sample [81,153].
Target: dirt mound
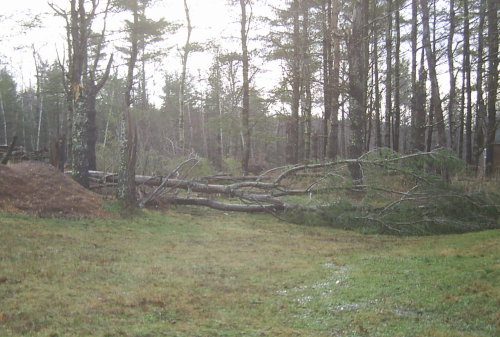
[40,189]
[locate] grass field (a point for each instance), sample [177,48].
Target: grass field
[200,273]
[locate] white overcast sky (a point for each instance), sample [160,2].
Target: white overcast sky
[212,20]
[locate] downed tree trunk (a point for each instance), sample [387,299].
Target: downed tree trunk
[263,193]
[243,190]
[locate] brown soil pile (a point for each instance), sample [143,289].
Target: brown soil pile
[40,189]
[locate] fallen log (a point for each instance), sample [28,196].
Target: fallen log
[244,191]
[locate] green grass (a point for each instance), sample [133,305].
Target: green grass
[203,273]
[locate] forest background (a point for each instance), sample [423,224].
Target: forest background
[280,82]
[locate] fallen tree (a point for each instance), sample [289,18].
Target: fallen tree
[398,194]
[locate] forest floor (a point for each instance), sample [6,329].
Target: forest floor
[191,272]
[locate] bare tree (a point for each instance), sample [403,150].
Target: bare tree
[182,82]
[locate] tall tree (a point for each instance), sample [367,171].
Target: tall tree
[245,112]
[333,143]
[376,78]
[480,104]
[79,24]
[468,85]
[436,107]
[126,190]
[184,57]
[451,71]
[492,83]
[307,79]
[327,63]
[397,77]
[8,107]
[388,76]
[358,76]
[94,84]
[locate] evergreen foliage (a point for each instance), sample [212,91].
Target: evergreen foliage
[404,196]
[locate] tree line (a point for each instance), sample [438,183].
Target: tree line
[409,75]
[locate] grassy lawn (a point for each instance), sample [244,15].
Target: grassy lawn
[204,273]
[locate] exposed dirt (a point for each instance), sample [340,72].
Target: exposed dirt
[40,189]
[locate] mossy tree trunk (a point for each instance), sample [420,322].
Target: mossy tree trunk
[79,137]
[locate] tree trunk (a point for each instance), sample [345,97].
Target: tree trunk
[80,164]
[376,77]
[79,140]
[358,74]
[388,76]
[296,84]
[327,71]
[92,131]
[245,112]
[480,105]
[128,131]
[419,125]
[4,121]
[182,85]
[460,148]
[468,87]
[397,100]
[451,70]
[307,104]
[431,63]
[492,83]
[333,141]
